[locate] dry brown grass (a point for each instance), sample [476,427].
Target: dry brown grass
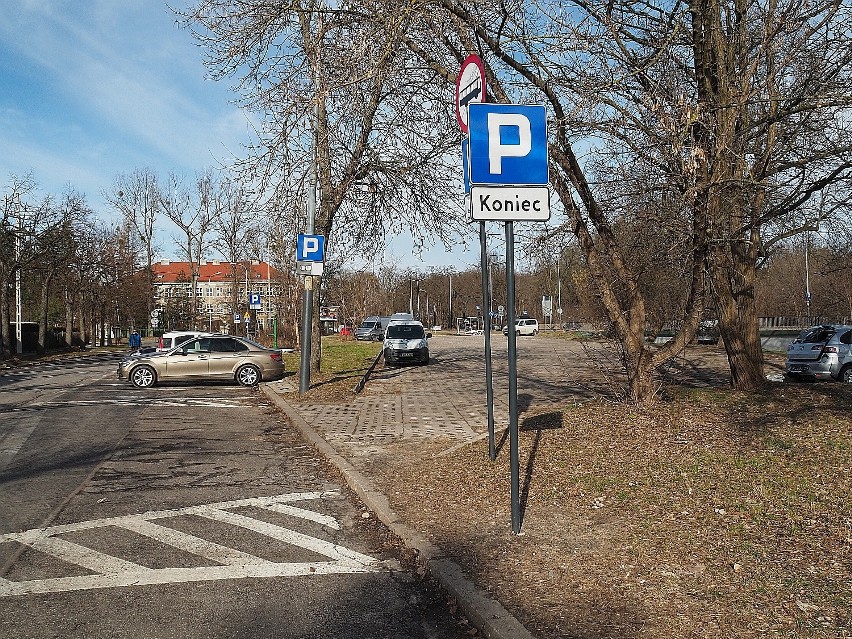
[713,514]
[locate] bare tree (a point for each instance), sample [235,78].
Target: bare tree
[54,249]
[720,120]
[35,236]
[136,196]
[193,212]
[334,93]
[234,228]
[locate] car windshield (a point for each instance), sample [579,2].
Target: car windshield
[405,331]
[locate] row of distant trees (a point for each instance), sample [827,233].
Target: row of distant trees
[442,296]
[90,281]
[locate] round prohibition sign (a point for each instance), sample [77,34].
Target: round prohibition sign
[470,87]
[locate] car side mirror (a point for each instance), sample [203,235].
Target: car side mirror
[428,335]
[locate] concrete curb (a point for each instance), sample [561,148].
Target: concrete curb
[486,614]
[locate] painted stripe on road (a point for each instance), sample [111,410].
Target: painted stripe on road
[165,576]
[192,544]
[118,572]
[319,518]
[12,443]
[82,556]
[145,401]
[330,550]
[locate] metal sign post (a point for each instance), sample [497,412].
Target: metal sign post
[514,470]
[471,89]
[508,173]
[310,253]
[489,386]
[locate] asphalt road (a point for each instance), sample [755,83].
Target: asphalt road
[184,511]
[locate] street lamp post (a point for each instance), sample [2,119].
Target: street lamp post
[807,279]
[19,342]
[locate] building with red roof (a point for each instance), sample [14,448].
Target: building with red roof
[222,291]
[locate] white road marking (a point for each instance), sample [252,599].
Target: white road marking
[114,572]
[192,544]
[144,401]
[12,442]
[82,556]
[286,535]
[319,518]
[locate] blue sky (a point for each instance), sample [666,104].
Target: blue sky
[92,89]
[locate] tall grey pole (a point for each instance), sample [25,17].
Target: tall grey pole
[19,342]
[486,312]
[513,379]
[807,278]
[19,334]
[450,301]
[308,296]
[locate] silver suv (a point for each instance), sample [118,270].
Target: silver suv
[821,352]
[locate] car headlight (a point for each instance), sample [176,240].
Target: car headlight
[388,343]
[423,344]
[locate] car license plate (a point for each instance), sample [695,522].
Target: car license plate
[798,368]
[406,354]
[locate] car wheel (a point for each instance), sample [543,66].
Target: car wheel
[248,375]
[143,376]
[845,375]
[535,332]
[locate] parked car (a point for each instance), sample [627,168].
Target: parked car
[821,352]
[524,326]
[372,329]
[209,357]
[174,338]
[406,341]
[708,332]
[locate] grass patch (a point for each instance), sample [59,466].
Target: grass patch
[344,361]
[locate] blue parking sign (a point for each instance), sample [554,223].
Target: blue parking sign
[310,248]
[508,144]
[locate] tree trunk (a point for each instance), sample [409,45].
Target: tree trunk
[69,319]
[316,331]
[738,325]
[5,328]
[639,366]
[42,320]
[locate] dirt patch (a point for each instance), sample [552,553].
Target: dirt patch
[713,514]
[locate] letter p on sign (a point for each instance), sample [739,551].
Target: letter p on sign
[508,124]
[508,144]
